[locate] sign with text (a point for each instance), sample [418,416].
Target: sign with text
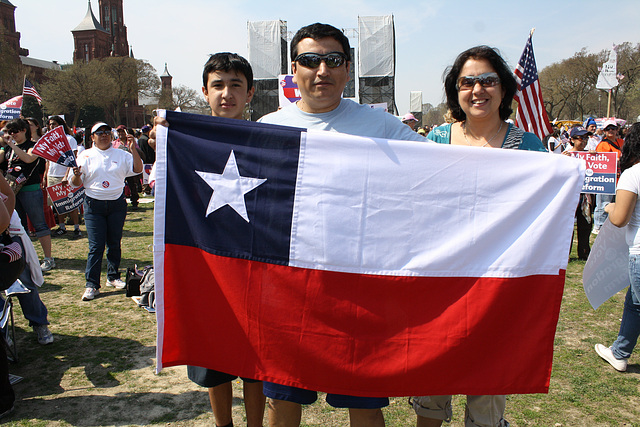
[65,198]
[601,172]
[54,146]
[10,109]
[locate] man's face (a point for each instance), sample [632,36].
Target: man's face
[227,94]
[592,128]
[320,88]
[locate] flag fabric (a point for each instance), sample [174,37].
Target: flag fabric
[54,146]
[11,109]
[29,89]
[355,265]
[531,115]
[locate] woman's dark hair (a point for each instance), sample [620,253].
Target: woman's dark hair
[18,125]
[631,148]
[60,121]
[507,80]
[36,123]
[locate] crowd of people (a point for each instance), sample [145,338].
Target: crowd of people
[479,89]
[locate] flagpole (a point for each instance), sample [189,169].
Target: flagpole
[609,104]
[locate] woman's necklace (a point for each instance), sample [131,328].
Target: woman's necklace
[464,133]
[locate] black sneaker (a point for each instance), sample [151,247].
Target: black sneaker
[77,234]
[58,232]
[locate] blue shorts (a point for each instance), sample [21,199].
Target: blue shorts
[306,397]
[209,378]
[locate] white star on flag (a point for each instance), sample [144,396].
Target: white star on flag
[229,188]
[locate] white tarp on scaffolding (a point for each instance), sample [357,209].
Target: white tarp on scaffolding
[415,101]
[376,46]
[265,48]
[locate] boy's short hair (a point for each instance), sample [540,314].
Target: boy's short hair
[227,61]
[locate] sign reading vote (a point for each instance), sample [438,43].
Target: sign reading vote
[601,172]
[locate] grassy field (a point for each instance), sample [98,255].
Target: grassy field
[99,370]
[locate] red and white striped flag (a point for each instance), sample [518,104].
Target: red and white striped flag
[28,89]
[531,115]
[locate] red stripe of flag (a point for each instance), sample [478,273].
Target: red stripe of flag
[403,335]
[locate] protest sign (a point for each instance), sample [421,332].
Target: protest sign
[54,146]
[601,172]
[65,198]
[10,109]
[607,270]
[288,91]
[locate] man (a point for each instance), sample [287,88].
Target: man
[321,63]
[610,144]
[410,120]
[57,174]
[227,81]
[133,182]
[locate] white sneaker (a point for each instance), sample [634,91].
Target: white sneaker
[89,294]
[607,354]
[116,283]
[595,230]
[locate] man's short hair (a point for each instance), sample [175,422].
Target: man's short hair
[227,61]
[319,31]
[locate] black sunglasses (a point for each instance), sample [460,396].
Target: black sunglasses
[14,131]
[313,60]
[485,80]
[102,132]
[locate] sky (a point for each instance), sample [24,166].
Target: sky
[429,34]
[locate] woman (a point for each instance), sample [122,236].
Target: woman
[626,210]
[105,207]
[479,89]
[29,201]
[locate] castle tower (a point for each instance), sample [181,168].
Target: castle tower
[90,39]
[112,19]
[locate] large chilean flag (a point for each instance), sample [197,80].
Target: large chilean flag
[356,265]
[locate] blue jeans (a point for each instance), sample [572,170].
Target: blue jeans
[599,215]
[104,220]
[32,306]
[630,325]
[31,204]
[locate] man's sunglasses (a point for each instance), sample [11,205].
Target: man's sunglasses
[313,60]
[102,132]
[485,80]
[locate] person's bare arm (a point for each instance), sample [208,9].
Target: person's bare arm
[620,212]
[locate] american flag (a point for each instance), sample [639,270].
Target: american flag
[28,89]
[531,115]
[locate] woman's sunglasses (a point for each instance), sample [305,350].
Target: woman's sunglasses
[313,60]
[485,80]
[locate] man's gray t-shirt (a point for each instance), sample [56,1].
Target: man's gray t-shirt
[350,118]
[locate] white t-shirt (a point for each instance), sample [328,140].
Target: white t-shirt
[56,170]
[104,171]
[630,181]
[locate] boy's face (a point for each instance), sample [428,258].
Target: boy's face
[227,94]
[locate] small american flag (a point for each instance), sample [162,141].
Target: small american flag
[28,89]
[531,115]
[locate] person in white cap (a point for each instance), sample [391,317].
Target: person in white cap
[102,170]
